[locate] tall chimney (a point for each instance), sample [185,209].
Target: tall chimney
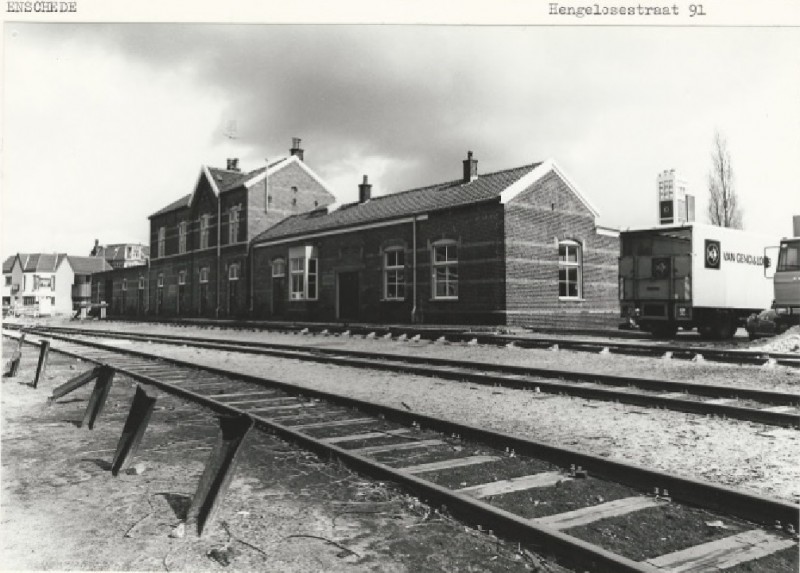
[796,225]
[233,164]
[296,150]
[470,168]
[364,191]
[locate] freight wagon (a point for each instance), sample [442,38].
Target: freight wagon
[693,276]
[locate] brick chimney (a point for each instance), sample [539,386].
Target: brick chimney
[364,191]
[296,150]
[233,165]
[470,168]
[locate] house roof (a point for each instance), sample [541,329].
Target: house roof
[88,265]
[8,264]
[180,203]
[41,262]
[402,204]
[222,180]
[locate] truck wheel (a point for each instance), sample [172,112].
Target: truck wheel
[705,331]
[664,330]
[725,327]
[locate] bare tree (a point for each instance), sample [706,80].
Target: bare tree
[723,204]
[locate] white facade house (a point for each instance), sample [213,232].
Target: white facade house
[45,283]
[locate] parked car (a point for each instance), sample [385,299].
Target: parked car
[762,324]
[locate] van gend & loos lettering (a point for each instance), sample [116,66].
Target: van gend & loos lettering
[41,7]
[743,258]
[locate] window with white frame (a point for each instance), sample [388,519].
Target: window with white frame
[233,272]
[233,225]
[444,257]
[394,283]
[204,229]
[162,241]
[278,268]
[570,265]
[303,273]
[124,285]
[204,274]
[160,280]
[182,237]
[181,278]
[141,283]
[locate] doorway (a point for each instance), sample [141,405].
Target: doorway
[348,296]
[278,296]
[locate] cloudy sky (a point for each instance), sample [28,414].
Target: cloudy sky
[106,123]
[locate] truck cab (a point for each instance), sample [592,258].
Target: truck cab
[787,284]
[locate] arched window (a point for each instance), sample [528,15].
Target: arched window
[278,267]
[444,270]
[570,270]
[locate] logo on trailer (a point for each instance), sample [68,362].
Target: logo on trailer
[662,268]
[713,254]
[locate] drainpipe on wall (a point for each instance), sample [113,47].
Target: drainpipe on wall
[414,269]
[219,249]
[250,257]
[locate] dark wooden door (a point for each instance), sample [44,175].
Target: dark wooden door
[278,296]
[348,296]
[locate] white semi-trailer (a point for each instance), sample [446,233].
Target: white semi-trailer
[693,276]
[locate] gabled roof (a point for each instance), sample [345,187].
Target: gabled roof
[8,264]
[88,265]
[41,262]
[447,195]
[221,180]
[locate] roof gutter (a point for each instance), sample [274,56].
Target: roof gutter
[343,230]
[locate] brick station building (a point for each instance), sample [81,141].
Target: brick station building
[519,246]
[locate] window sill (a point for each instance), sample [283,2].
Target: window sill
[392,300]
[571,299]
[443,299]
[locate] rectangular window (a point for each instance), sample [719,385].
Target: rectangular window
[278,268]
[789,257]
[204,228]
[233,225]
[394,274]
[569,270]
[204,275]
[181,277]
[297,270]
[303,273]
[141,283]
[233,272]
[445,271]
[182,237]
[160,280]
[8,280]
[124,285]
[162,241]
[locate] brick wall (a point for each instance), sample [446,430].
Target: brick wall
[476,230]
[535,222]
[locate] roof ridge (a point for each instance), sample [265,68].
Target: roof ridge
[452,182]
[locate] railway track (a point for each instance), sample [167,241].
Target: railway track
[760,406]
[593,513]
[594,341]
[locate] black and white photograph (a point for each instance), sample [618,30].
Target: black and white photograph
[392,287]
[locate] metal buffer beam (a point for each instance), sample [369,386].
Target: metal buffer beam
[218,471]
[135,425]
[98,398]
[40,367]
